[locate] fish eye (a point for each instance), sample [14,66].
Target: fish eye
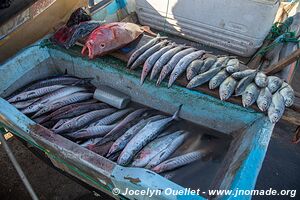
[102,45]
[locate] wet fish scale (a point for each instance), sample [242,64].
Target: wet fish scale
[250,95]
[242,74]
[112,118]
[208,62]
[274,83]
[221,62]
[288,94]
[218,79]
[25,104]
[227,88]
[264,99]
[193,69]
[243,83]
[233,65]
[276,108]
[91,132]
[261,80]
[203,78]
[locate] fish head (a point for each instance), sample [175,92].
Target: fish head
[224,94]
[274,117]
[124,158]
[246,99]
[263,105]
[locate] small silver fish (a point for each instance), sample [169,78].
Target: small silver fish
[250,95]
[183,64]
[172,63]
[218,79]
[194,68]
[203,78]
[227,88]
[242,74]
[243,83]
[261,80]
[208,62]
[233,65]
[60,123]
[179,161]
[25,104]
[221,62]
[264,99]
[112,118]
[276,108]
[89,142]
[274,83]
[288,94]
[91,132]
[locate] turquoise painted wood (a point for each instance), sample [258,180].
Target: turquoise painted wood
[240,167]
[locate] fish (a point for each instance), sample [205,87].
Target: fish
[122,141]
[144,56]
[143,137]
[274,83]
[109,37]
[149,63]
[194,68]
[100,149]
[276,108]
[167,152]
[25,104]
[183,64]
[47,99]
[91,142]
[172,63]
[264,99]
[77,109]
[220,62]
[242,74]
[288,94]
[142,49]
[261,80]
[83,120]
[208,62]
[64,101]
[34,93]
[218,79]
[233,65]
[165,58]
[243,83]
[91,132]
[59,123]
[203,78]
[123,126]
[179,161]
[250,95]
[112,118]
[114,157]
[152,149]
[227,88]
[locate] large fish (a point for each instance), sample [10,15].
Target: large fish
[183,64]
[143,137]
[112,118]
[208,62]
[203,78]
[221,62]
[91,132]
[264,99]
[274,83]
[242,74]
[143,48]
[288,94]
[122,141]
[110,37]
[172,63]
[152,149]
[179,161]
[83,120]
[233,65]
[25,104]
[250,95]
[261,80]
[227,88]
[218,79]
[168,151]
[276,108]
[194,68]
[243,83]
[123,126]
[142,58]
[149,63]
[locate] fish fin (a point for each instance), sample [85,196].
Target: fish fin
[147,30]
[176,114]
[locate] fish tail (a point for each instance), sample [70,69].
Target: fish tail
[176,114]
[148,30]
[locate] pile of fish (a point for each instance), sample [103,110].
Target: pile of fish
[136,137]
[161,58]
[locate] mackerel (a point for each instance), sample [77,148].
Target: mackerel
[208,62]
[227,88]
[221,62]
[194,68]
[264,99]
[112,118]
[288,94]
[243,83]
[242,74]
[203,78]
[261,80]
[91,132]
[233,65]
[276,108]
[250,95]
[218,79]
[25,104]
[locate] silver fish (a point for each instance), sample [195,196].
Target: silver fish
[91,132]
[243,83]
[34,93]
[143,137]
[67,100]
[25,104]
[183,64]
[194,68]
[276,108]
[143,57]
[36,106]
[203,78]
[227,88]
[112,118]
[250,95]
[172,63]
[59,123]
[122,141]
[122,127]
[218,79]
[242,74]
[167,152]
[208,62]
[261,80]
[142,49]
[233,65]
[83,120]
[288,94]
[151,60]
[179,161]
[221,62]
[89,142]
[152,149]
[274,83]
[165,58]
[264,99]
